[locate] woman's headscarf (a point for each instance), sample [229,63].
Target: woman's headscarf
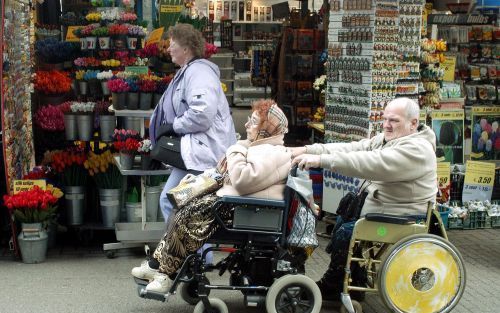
[273,121]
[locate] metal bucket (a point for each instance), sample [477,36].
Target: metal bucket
[107,124]
[109,200]
[119,100]
[126,161]
[145,100]
[75,204]
[33,243]
[152,202]
[70,127]
[85,124]
[134,211]
[133,123]
[132,100]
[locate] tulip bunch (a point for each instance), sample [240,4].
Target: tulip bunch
[69,164]
[118,29]
[126,140]
[93,17]
[118,85]
[136,31]
[39,172]
[52,82]
[148,51]
[210,49]
[50,118]
[103,169]
[147,83]
[32,206]
[128,17]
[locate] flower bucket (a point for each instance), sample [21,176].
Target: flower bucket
[126,160]
[85,125]
[74,197]
[145,101]
[152,202]
[132,122]
[109,199]
[132,43]
[132,100]
[33,243]
[94,87]
[156,99]
[91,43]
[145,161]
[134,211]
[119,100]
[107,124]
[104,43]
[104,88]
[70,129]
[82,87]
[83,44]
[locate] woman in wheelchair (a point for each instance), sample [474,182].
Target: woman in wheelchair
[256,167]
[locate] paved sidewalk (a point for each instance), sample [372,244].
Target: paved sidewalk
[83,280]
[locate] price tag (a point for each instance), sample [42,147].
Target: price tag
[443,176]
[155,36]
[28,184]
[449,68]
[70,36]
[479,180]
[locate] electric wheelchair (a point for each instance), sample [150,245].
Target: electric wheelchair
[260,264]
[410,263]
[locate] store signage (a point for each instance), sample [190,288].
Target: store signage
[479,180]
[449,68]
[484,130]
[449,128]
[155,36]
[170,11]
[25,185]
[70,36]
[443,177]
[462,19]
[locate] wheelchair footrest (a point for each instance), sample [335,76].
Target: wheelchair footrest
[143,293]
[389,218]
[141,282]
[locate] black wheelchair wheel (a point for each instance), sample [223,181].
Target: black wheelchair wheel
[189,291]
[293,293]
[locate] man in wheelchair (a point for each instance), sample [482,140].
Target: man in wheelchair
[399,168]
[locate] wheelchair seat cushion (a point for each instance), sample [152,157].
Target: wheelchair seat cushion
[390,218]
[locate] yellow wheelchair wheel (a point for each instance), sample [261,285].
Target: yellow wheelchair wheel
[422,273]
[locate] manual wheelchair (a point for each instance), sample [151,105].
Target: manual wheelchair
[260,264]
[410,263]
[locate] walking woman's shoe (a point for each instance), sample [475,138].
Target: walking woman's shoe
[144,271]
[161,283]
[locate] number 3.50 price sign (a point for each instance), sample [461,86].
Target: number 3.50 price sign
[479,179]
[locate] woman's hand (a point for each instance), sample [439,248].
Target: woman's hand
[298,151]
[307,161]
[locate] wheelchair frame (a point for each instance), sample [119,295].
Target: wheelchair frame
[381,238]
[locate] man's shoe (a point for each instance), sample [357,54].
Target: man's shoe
[161,283]
[144,271]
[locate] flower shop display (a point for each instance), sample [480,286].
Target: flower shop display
[94,86]
[126,141]
[144,150]
[106,175]
[118,32]
[50,118]
[84,112]
[118,88]
[73,176]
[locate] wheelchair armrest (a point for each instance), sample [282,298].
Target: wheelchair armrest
[389,218]
[252,201]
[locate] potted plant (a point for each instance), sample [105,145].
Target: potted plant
[34,209]
[106,175]
[126,141]
[84,112]
[103,77]
[107,121]
[118,88]
[52,86]
[133,93]
[102,34]
[68,164]
[145,152]
[147,86]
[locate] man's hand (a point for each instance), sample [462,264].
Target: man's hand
[297,151]
[307,161]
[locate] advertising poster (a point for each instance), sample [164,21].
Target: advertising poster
[170,11]
[449,129]
[485,133]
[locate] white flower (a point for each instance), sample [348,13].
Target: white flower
[144,146]
[141,62]
[105,75]
[82,107]
[111,15]
[320,83]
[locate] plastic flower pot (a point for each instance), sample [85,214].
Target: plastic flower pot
[70,129]
[119,100]
[104,43]
[145,100]
[133,100]
[85,125]
[104,88]
[107,124]
[132,43]
[82,87]
[91,43]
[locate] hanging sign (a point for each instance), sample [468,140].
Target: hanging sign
[449,68]
[170,11]
[443,177]
[155,36]
[478,182]
[140,70]
[28,184]
[449,128]
[484,127]
[462,19]
[70,36]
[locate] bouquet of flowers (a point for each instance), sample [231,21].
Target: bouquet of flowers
[93,17]
[103,169]
[320,84]
[51,50]
[65,107]
[102,108]
[83,107]
[132,83]
[43,30]
[118,85]
[118,29]
[69,165]
[100,32]
[128,17]
[87,30]
[102,3]
[52,82]
[136,31]
[50,118]
[144,146]
[210,50]
[87,62]
[126,140]
[147,83]
[39,172]
[34,205]
[148,51]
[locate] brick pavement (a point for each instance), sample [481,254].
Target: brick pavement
[480,249]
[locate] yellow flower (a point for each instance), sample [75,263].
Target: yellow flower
[224,87]
[56,192]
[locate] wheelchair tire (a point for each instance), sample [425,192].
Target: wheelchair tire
[358,308]
[294,293]
[189,291]
[216,303]
[422,270]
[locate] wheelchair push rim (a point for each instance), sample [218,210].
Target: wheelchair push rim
[424,273]
[294,293]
